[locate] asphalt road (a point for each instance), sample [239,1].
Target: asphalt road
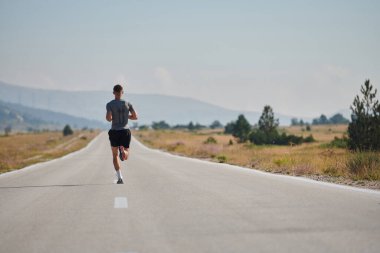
[173,204]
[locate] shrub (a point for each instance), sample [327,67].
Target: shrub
[309,139]
[210,140]
[67,130]
[338,142]
[333,171]
[173,147]
[284,161]
[222,158]
[259,137]
[229,128]
[365,165]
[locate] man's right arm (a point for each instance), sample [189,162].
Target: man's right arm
[109,113]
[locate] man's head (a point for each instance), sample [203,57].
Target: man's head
[118,91]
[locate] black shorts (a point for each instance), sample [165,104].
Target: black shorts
[120,137]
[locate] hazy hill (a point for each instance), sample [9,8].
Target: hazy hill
[150,107]
[22,118]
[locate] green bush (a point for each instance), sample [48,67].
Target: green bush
[210,140]
[365,165]
[67,130]
[332,171]
[259,137]
[339,142]
[222,158]
[309,139]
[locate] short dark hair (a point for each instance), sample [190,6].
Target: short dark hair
[117,88]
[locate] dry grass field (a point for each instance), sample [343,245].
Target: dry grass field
[23,149]
[316,160]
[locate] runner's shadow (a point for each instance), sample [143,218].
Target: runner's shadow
[54,185]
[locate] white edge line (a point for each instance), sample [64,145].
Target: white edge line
[251,170]
[36,165]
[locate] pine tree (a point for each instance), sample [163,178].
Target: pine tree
[241,128]
[364,129]
[67,130]
[267,123]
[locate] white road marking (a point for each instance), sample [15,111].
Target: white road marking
[121,202]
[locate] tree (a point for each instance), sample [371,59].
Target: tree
[67,130]
[322,120]
[229,128]
[160,125]
[8,130]
[294,122]
[338,119]
[267,122]
[364,129]
[216,124]
[198,126]
[239,128]
[191,126]
[242,128]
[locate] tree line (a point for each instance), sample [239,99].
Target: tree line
[190,126]
[363,129]
[337,118]
[264,132]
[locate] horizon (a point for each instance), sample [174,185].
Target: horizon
[305,118]
[300,57]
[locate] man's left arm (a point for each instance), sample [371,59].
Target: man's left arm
[133,114]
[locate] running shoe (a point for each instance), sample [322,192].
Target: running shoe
[120,181]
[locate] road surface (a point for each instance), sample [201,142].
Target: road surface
[173,204]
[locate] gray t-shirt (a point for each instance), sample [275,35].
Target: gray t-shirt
[120,111]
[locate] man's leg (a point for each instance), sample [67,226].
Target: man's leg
[116,164]
[125,152]
[126,140]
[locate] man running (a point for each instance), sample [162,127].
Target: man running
[119,111]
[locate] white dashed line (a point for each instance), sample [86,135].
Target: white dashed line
[121,202]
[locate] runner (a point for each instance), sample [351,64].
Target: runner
[119,111]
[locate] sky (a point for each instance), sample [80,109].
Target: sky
[303,58]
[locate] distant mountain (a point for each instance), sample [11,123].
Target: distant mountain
[22,118]
[150,107]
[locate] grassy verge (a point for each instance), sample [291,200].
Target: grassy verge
[315,160]
[23,149]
